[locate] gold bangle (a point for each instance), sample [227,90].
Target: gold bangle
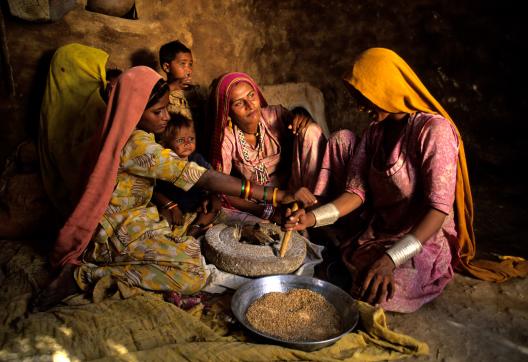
[167,204]
[248,188]
[274,198]
[172,206]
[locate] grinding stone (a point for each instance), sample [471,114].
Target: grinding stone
[224,249]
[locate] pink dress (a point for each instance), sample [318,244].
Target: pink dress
[335,163]
[420,173]
[291,160]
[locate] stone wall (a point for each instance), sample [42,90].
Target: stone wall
[464,51]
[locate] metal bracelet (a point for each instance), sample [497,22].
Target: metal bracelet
[404,249]
[268,211]
[325,215]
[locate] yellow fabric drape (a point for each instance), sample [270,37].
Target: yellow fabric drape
[145,328]
[72,108]
[386,80]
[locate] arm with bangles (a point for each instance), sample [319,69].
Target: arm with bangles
[229,185]
[272,209]
[379,279]
[253,208]
[343,205]
[378,284]
[168,208]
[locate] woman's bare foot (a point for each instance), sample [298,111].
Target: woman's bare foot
[61,287]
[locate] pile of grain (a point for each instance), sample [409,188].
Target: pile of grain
[297,315]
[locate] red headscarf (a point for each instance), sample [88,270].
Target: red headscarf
[125,108]
[222,93]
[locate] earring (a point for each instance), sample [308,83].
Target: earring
[229,123]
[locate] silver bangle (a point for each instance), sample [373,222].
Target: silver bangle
[325,215]
[268,211]
[404,249]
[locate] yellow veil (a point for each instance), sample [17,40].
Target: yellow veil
[386,80]
[72,109]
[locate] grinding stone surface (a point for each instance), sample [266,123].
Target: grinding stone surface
[224,249]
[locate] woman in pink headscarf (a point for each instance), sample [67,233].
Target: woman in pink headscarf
[265,144]
[115,231]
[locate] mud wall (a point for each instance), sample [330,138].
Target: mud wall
[464,51]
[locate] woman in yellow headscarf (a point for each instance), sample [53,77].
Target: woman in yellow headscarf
[410,165]
[73,107]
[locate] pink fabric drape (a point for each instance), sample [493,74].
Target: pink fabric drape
[126,105]
[335,163]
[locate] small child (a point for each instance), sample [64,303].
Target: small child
[185,98]
[176,60]
[174,202]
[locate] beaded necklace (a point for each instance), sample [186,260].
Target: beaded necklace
[261,172]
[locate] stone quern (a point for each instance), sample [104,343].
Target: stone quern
[253,250]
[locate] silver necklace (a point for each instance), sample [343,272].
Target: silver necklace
[261,172]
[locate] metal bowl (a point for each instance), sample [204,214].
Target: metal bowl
[345,305]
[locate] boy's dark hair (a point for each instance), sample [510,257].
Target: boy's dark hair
[177,121]
[113,73]
[168,51]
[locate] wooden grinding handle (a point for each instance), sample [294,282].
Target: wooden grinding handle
[287,235]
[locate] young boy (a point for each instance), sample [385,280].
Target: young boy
[177,62]
[174,203]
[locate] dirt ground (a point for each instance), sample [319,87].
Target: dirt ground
[475,320]
[472,321]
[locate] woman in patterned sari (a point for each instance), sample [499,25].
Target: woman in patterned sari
[115,230]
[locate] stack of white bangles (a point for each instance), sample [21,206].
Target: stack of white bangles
[404,249]
[325,215]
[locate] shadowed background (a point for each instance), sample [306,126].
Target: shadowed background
[466,53]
